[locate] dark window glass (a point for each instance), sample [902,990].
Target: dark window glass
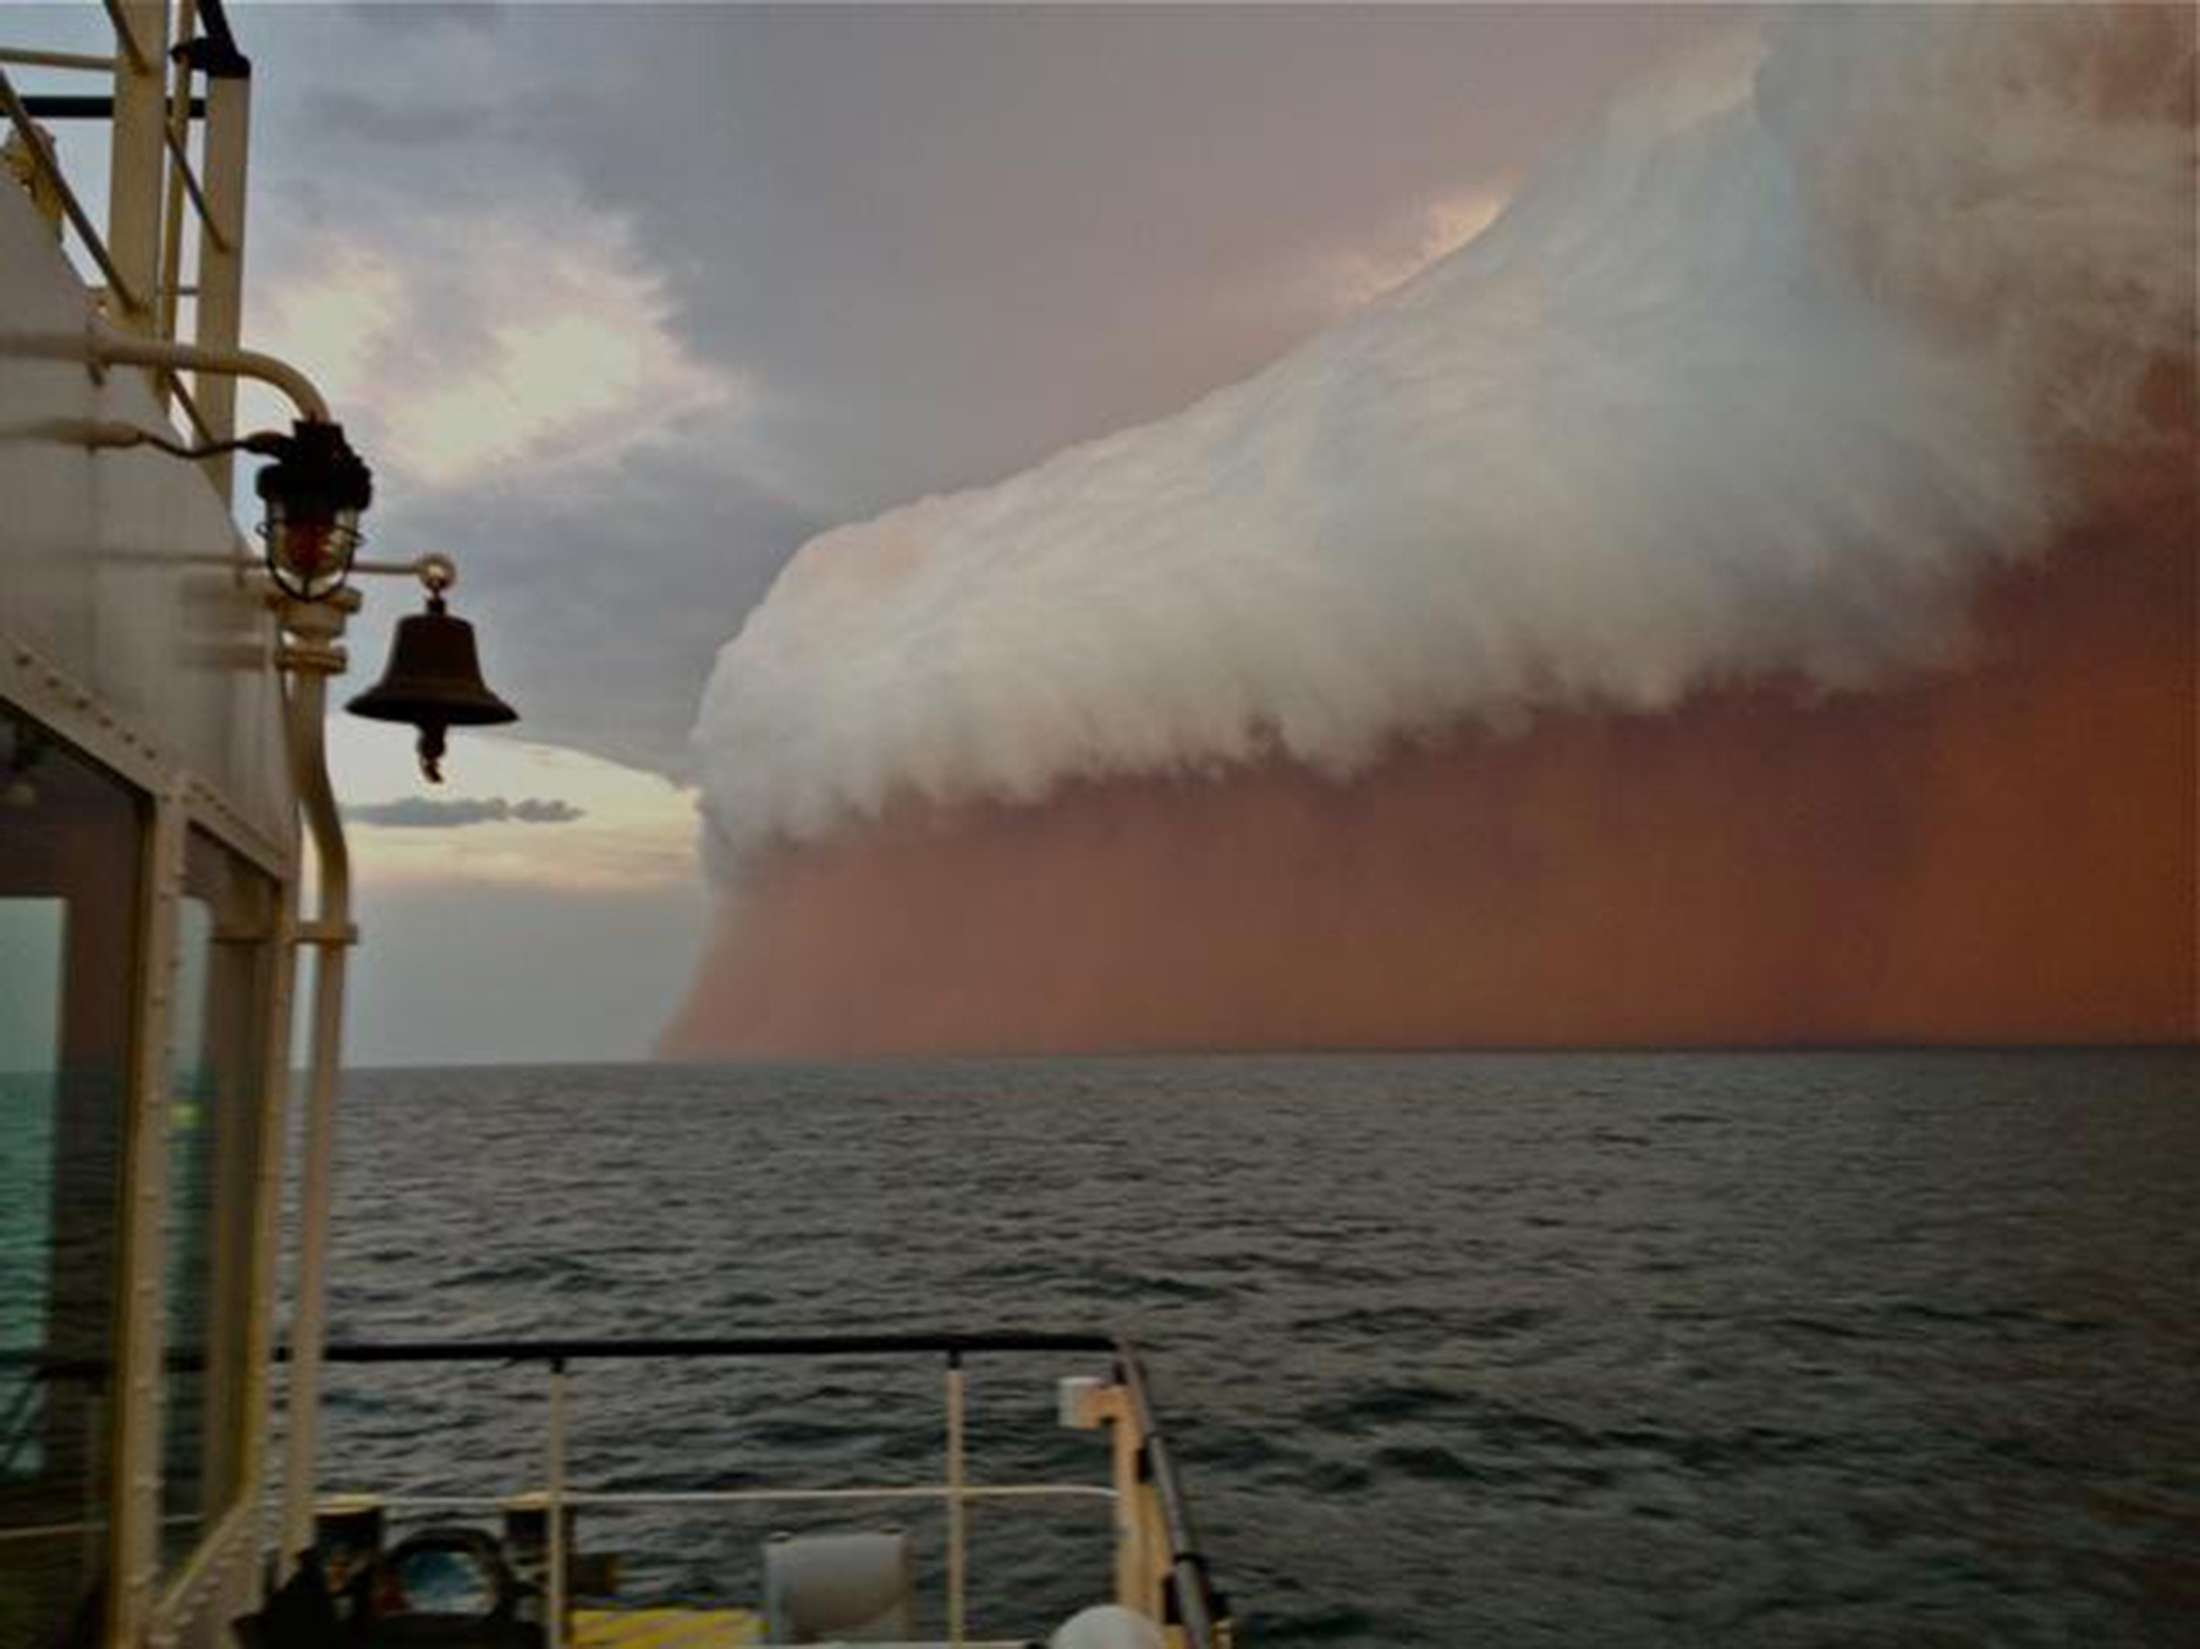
[71,839]
[218,1042]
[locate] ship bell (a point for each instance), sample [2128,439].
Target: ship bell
[433,681]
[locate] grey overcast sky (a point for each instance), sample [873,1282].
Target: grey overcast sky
[627,301]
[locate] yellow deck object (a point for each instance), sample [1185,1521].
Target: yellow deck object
[666,1629]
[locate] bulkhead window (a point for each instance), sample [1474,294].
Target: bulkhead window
[71,844]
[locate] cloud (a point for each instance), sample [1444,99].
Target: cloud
[472,346]
[1745,386]
[514,373]
[1355,274]
[836,258]
[424,813]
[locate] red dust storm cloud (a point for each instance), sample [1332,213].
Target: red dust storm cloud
[1999,854]
[1929,256]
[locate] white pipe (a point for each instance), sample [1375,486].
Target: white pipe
[957,1506]
[318,625]
[109,347]
[553,1510]
[101,346]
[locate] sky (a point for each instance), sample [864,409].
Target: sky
[624,303]
[997,310]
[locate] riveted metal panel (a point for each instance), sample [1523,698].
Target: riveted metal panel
[123,578]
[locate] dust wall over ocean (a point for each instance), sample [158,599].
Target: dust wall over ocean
[1746,595]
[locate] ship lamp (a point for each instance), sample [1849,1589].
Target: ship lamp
[314,494]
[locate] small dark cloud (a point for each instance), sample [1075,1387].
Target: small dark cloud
[420,813]
[532,811]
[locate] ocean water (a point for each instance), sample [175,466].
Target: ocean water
[1873,1348]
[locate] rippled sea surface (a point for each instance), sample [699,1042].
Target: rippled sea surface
[1896,1348]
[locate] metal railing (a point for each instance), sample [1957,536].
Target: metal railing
[1161,1569]
[174,229]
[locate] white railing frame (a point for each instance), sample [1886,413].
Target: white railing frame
[156,196]
[955,1493]
[958,1509]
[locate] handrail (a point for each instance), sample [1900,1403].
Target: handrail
[557,1354]
[1200,1609]
[1195,1604]
[566,1349]
[157,196]
[26,57]
[1189,1594]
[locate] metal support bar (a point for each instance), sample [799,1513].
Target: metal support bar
[21,117]
[27,58]
[68,106]
[196,418]
[188,181]
[315,655]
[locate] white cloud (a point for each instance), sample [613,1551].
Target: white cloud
[471,347]
[1355,276]
[1659,427]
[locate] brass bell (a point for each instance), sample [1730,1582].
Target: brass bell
[433,680]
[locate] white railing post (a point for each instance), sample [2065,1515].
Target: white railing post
[176,139]
[313,653]
[221,250]
[136,153]
[553,1625]
[957,1503]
